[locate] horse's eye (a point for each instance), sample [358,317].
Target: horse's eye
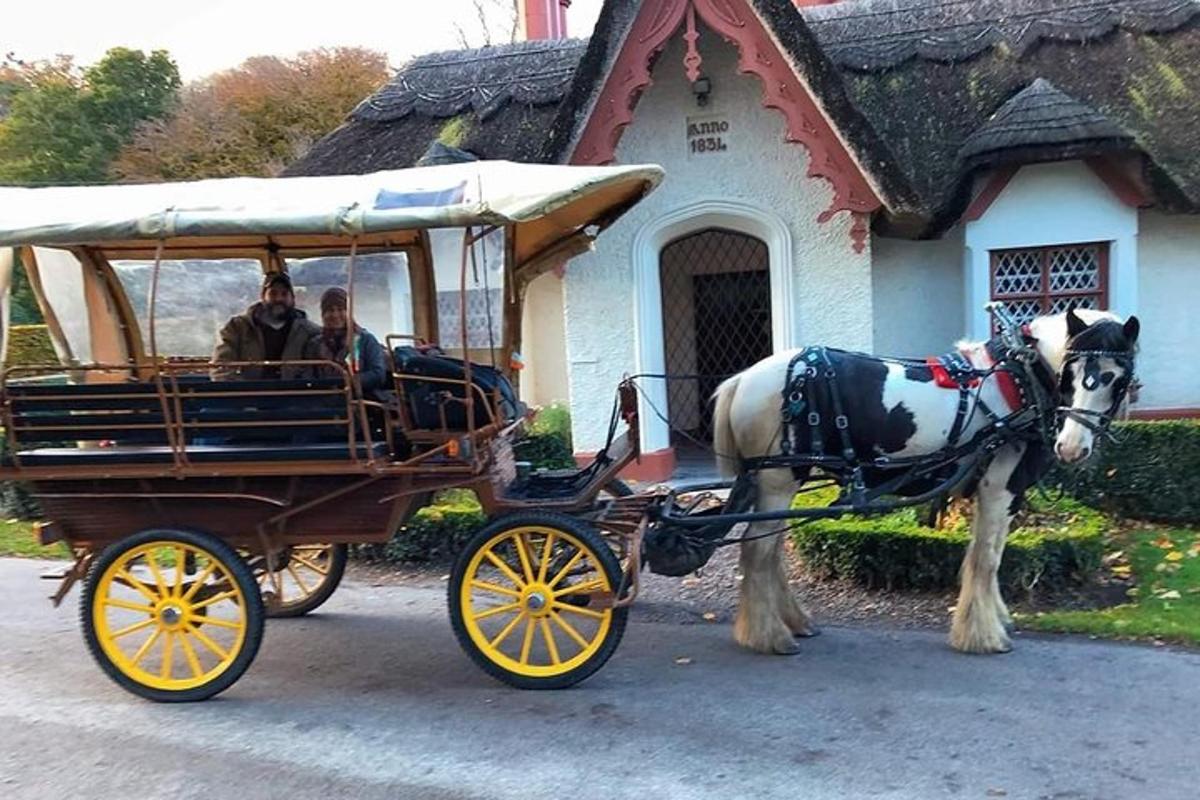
[1107,377]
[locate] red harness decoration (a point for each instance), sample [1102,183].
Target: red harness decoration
[1004,379]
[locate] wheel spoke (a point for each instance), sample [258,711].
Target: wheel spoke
[582,588]
[519,539]
[550,645]
[491,587]
[159,582]
[137,626]
[570,631]
[500,637]
[504,609]
[216,598]
[314,567]
[562,573]
[196,584]
[180,564]
[216,622]
[207,642]
[168,656]
[128,606]
[583,612]
[145,648]
[528,642]
[505,568]
[190,654]
[296,577]
[547,549]
[135,583]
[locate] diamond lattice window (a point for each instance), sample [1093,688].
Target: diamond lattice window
[1048,280]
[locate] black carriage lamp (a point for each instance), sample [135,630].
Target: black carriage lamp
[701,88]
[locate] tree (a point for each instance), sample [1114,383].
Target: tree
[496,22]
[65,125]
[255,119]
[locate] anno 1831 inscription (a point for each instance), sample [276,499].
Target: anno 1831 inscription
[707,135]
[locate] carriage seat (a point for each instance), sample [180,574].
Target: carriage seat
[196,453]
[265,420]
[430,394]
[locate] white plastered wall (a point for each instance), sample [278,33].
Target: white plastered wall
[1049,204]
[543,345]
[918,290]
[1169,255]
[821,288]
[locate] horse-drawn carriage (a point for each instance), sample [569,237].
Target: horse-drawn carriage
[199,497]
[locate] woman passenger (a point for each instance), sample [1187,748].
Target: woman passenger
[362,355]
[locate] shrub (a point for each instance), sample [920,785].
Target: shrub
[1054,546]
[548,445]
[436,533]
[1152,471]
[30,344]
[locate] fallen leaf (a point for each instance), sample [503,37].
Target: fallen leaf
[710,616]
[1122,570]
[1170,594]
[1116,555]
[1174,555]
[1163,543]
[445,578]
[1194,550]
[1133,591]
[682,661]
[1111,472]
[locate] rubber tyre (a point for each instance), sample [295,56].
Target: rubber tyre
[338,556]
[606,560]
[241,574]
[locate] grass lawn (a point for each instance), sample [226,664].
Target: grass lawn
[1164,604]
[17,539]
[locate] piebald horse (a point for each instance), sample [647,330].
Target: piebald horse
[896,408]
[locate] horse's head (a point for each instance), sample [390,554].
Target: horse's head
[1095,376]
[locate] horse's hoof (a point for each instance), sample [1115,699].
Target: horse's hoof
[807,632]
[785,648]
[985,644]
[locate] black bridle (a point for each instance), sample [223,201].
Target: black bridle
[1098,422]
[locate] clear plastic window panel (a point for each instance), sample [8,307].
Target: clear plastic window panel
[382,292]
[484,292]
[196,297]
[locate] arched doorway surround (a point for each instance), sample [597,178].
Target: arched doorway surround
[730,215]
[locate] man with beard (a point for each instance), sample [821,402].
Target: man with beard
[272,329]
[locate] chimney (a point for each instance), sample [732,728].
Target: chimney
[544,19]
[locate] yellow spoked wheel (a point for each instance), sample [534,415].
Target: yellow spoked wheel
[531,600]
[172,615]
[307,576]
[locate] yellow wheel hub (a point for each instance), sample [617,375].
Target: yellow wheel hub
[536,601]
[169,615]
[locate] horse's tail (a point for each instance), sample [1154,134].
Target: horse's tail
[724,444]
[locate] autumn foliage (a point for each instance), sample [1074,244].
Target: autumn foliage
[252,120]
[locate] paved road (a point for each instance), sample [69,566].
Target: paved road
[372,698]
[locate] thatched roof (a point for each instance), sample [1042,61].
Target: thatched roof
[925,92]
[1038,118]
[493,102]
[954,87]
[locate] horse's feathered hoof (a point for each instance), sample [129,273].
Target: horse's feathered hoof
[807,632]
[785,648]
[983,643]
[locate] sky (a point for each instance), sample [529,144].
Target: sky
[206,36]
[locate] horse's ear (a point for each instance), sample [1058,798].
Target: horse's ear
[1075,325]
[1132,327]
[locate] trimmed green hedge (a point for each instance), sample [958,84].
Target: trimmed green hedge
[1060,546]
[1151,472]
[30,344]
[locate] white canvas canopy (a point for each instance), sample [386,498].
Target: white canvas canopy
[544,203]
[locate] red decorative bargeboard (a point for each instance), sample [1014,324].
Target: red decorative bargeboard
[759,55]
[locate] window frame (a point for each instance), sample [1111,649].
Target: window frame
[1044,296]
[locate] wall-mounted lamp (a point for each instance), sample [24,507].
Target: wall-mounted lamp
[701,87]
